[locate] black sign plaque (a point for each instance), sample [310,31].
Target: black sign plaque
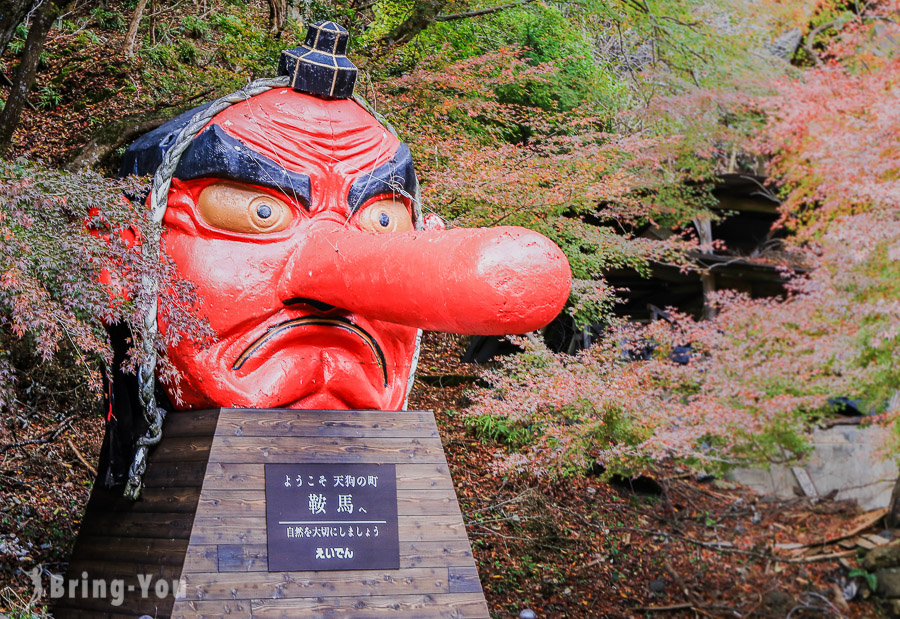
[331,517]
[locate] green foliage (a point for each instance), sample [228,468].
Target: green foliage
[195,27]
[549,37]
[248,47]
[17,43]
[870,578]
[160,55]
[220,53]
[186,53]
[166,33]
[86,38]
[546,35]
[501,430]
[48,97]
[107,18]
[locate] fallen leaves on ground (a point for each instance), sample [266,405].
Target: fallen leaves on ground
[574,547]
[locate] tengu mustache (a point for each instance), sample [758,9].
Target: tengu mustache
[319,321]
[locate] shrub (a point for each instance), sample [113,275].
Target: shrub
[58,233]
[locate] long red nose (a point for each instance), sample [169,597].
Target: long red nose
[477,281]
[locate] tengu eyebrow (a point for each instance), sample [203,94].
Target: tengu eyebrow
[215,154]
[396,176]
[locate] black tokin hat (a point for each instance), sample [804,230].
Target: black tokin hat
[320,66]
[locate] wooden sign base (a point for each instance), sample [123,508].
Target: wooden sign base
[195,545]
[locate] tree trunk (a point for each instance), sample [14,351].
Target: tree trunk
[12,12]
[277,16]
[26,72]
[892,519]
[152,22]
[131,35]
[118,133]
[707,279]
[423,14]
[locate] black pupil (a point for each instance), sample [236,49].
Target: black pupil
[384,220]
[264,211]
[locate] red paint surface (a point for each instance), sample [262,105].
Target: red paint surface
[484,281]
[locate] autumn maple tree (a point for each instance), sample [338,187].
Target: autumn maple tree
[750,383]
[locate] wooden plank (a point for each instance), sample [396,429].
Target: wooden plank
[253,503]
[109,569]
[431,528]
[132,549]
[243,558]
[60,612]
[181,449]
[429,553]
[157,499]
[128,577]
[191,423]
[175,474]
[457,606]
[168,525]
[227,476]
[425,477]
[409,424]
[253,557]
[338,449]
[136,606]
[232,609]
[237,476]
[446,606]
[200,558]
[241,530]
[232,503]
[805,481]
[286,585]
[464,580]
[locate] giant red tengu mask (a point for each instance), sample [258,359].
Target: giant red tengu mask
[294,216]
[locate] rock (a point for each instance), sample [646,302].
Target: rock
[888,582]
[777,602]
[657,585]
[886,534]
[527,613]
[881,557]
[785,44]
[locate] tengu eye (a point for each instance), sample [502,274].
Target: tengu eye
[387,215]
[243,209]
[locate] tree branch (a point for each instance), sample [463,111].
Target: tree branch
[46,437]
[480,12]
[810,39]
[81,459]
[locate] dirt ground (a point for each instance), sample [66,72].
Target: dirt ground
[667,544]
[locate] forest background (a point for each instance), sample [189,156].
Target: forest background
[606,125]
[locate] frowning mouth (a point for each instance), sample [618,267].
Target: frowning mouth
[319,321]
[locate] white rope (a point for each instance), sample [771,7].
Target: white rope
[159,198]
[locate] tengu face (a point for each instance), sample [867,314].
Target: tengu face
[262,180]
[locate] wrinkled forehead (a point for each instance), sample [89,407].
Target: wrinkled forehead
[309,135]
